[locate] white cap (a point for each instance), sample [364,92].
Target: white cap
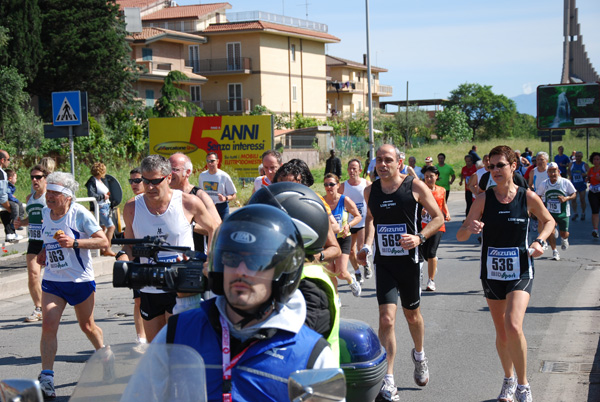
[552,165]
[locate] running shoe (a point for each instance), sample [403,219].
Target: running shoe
[421,374]
[582,217]
[555,255]
[108,364]
[595,234]
[13,237]
[508,390]
[388,392]
[556,233]
[355,287]
[430,285]
[565,244]
[523,395]
[47,386]
[368,270]
[358,277]
[35,316]
[574,217]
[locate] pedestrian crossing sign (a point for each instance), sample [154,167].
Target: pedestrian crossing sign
[66,108]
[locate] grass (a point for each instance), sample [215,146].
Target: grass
[454,156]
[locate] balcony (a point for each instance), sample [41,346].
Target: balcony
[348,86]
[383,90]
[155,67]
[226,106]
[239,65]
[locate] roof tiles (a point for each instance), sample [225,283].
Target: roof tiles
[267,26]
[181,12]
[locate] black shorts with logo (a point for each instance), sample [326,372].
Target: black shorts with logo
[402,279]
[153,305]
[497,290]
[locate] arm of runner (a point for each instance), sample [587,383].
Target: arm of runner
[210,207]
[194,207]
[472,224]
[361,256]
[445,209]
[424,196]
[352,209]
[411,172]
[546,221]
[128,213]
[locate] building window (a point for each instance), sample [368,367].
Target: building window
[293,52]
[294,93]
[235,97]
[195,93]
[234,56]
[149,98]
[146,53]
[359,106]
[194,57]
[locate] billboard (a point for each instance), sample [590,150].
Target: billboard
[568,106]
[239,141]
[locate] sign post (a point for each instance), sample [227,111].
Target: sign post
[68,109]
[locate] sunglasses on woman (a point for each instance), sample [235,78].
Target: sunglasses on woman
[498,165]
[330,184]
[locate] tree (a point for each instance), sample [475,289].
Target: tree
[451,125]
[85,49]
[23,50]
[416,123]
[173,99]
[481,105]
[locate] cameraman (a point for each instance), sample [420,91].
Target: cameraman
[255,266]
[161,211]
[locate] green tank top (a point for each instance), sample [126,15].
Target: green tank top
[34,211]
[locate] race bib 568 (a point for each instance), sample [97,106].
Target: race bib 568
[389,239]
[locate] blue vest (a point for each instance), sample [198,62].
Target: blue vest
[261,373]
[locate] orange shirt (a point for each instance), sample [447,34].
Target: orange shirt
[594,176]
[439,193]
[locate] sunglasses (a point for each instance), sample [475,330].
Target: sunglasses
[154,182]
[37,176]
[498,165]
[255,262]
[136,181]
[211,160]
[330,184]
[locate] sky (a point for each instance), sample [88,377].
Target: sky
[436,45]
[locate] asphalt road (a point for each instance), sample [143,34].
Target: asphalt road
[562,327]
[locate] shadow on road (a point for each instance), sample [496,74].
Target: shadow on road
[594,390]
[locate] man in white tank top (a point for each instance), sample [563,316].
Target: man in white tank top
[354,188]
[161,211]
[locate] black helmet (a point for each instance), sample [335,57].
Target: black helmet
[304,206]
[270,240]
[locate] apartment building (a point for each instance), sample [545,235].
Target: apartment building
[347,86]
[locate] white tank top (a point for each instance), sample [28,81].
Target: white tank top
[357,194]
[172,223]
[539,177]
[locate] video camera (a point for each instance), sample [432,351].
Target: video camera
[181,276]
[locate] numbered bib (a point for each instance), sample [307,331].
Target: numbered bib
[595,188]
[167,257]
[577,178]
[35,231]
[426,218]
[553,206]
[56,257]
[503,264]
[389,240]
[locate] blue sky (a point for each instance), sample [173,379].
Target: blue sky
[512,45]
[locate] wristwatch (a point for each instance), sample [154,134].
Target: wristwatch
[422,237]
[322,257]
[120,253]
[542,243]
[75,244]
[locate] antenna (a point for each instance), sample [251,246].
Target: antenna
[306,4]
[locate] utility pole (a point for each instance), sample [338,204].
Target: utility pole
[370,99]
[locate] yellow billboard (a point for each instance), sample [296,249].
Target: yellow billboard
[238,141]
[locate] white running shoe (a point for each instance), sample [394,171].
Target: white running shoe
[523,395]
[509,385]
[430,285]
[47,386]
[13,237]
[388,392]
[555,255]
[35,316]
[421,374]
[565,244]
[355,287]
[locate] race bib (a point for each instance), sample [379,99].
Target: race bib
[595,188]
[577,178]
[553,206]
[35,231]
[426,218]
[503,264]
[389,239]
[56,257]
[167,257]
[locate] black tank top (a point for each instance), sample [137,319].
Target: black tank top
[394,215]
[198,238]
[504,255]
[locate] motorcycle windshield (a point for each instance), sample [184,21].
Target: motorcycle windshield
[141,372]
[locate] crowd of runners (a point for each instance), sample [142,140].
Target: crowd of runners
[385,220]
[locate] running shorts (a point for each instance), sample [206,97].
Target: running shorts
[73,292]
[429,248]
[497,290]
[403,279]
[153,305]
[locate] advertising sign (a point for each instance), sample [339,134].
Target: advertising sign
[568,106]
[239,141]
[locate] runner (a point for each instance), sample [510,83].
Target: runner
[578,174]
[36,201]
[539,173]
[429,248]
[447,175]
[502,216]
[354,188]
[556,192]
[341,208]
[594,193]
[393,204]
[465,174]
[271,160]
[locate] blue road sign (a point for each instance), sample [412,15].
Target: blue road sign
[66,108]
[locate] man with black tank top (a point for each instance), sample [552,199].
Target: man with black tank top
[393,220]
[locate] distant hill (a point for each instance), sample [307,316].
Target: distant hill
[526,103]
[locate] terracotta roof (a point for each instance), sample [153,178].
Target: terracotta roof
[181,12]
[153,32]
[331,61]
[267,26]
[136,3]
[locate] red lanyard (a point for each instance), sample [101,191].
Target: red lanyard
[228,363]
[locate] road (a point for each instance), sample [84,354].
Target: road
[561,326]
